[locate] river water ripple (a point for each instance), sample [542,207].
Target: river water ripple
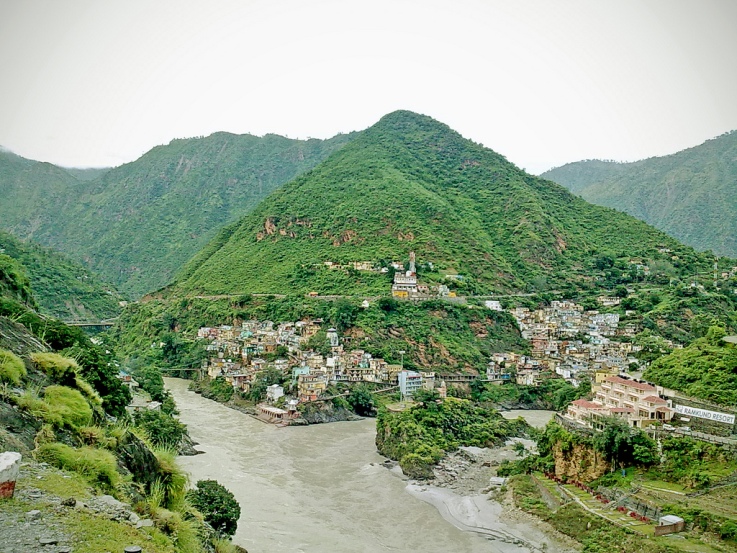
[321,489]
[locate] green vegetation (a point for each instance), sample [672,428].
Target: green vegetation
[689,195]
[554,393]
[67,406]
[161,428]
[411,183]
[217,504]
[432,333]
[98,466]
[595,534]
[58,368]
[138,223]
[419,436]
[361,401]
[63,288]
[14,282]
[617,442]
[704,369]
[12,368]
[220,390]
[692,463]
[623,445]
[55,407]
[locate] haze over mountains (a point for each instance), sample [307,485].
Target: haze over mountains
[410,183]
[691,195]
[136,224]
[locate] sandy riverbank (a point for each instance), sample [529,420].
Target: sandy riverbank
[479,514]
[462,494]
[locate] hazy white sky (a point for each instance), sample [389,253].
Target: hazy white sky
[543,82]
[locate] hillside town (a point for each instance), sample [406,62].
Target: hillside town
[567,342]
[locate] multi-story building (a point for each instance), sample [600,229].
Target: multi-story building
[409,382]
[635,401]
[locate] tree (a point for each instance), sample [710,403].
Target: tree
[361,401]
[217,505]
[163,430]
[150,379]
[344,314]
[97,368]
[624,445]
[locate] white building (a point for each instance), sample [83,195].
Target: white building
[409,382]
[274,392]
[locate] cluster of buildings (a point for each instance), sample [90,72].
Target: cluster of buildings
[238,354]
[569,342]
[405,285]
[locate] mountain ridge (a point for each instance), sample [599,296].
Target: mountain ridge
[690,194]
[412,183]
[62,288]
[135,224]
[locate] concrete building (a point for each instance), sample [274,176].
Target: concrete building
[636,402]
[409,382]
[274,392]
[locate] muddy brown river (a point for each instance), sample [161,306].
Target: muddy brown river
[322,489]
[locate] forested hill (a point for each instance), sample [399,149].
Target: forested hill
[138,223]
[691,195]
[62,288]
[410,183]
[28,190]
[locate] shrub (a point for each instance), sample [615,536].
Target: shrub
[97,466]
[12,368]
[61,370]
[67,406]
[38,408]
[88,391]
[172,482]
[217,504]
[98,437]
[728,530]
[162,430]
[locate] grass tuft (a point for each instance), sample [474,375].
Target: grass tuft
[99,467]
[12,368]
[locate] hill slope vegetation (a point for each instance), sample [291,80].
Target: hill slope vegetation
[691,195]
[63,288]
[138,223]
[410,183]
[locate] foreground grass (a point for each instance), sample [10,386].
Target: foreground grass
[89,532]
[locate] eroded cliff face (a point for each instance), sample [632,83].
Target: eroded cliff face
[579,462]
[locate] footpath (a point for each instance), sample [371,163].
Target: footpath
[596,504]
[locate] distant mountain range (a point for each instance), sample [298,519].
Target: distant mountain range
[691,195]
[410,183]
[135,225]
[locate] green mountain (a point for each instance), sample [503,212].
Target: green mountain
[410,183]
[32,192]
[138,223]
[704,369]
[691,195]
[63,288]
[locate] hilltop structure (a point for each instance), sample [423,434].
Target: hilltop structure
[405,282]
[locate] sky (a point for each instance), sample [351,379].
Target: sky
[543,82]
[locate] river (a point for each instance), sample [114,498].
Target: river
[322,489]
